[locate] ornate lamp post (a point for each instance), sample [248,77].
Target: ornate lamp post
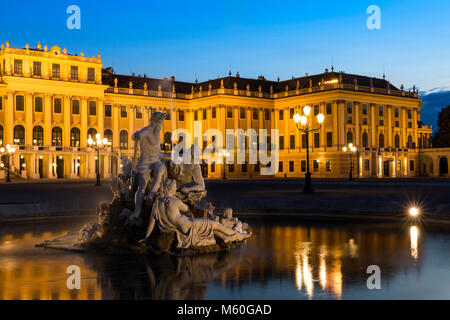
[9,151]
[351,149]
[98,145]
[224,154]
[303,120]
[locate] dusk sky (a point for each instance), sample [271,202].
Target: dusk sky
[206,39]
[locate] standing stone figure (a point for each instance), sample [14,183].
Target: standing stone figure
[148,140]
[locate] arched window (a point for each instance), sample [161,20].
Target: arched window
[167,141]
[38,136]
[397,141]
[381,141]
[365,140]
[349,137]
[410,142]
[1,135]
[123,139]
[19,135]
[92,133]
[108,134]
[57,137]
[75,137]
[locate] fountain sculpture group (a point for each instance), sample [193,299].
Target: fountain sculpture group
[158,206]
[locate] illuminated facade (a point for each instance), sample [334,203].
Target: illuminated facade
[51,102]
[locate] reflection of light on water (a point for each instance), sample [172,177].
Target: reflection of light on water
[323,267]
[303,272]
[352,248]
[336,274]
[414,235]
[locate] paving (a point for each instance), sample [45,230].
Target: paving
[342,199]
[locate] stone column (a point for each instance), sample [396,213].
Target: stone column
[48,120]
[9,119]
[404,126]
[100,117]
[323,141]
[341,124]
[84,122]
[29,119]
[106,166]
[115,118]
[335,125]
[67,125]
[373,142]
[357,139]
[389,126]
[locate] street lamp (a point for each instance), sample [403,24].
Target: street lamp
[98,144]
[224,154]
[9,151]
[303,120]
[352,150]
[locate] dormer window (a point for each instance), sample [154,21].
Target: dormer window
[91,74]
[73,73]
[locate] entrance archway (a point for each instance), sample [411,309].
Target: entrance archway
[443,166]
[60,167]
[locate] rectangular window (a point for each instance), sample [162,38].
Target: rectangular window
[213,112]
[56,71]
[76,107]
[349,108]
[138,113]
[410,124]
[205,114]
[291,113]
[38,104]
[57,105]
[242,113]
[303,165]
[18,66]
[316,140]
[316,110]
[303,141]
[108,111]
[397,124]
[213,167]
[244,167]
[231,167]
[380,111]
[291,166]
[364,109]
[266,115]
[36,68]
[409,114]
[365,121]
[91,74]
[123,112]
[281,115]
[381,122]
[396,113]
[229,112]
[195,115]
[73,72]
[181,115]
[328,166]
[255,114]
[20,103]
[329,110]
[281,142]
[92,108]
[349,120]
[280,166]
[329,139]
[1,103]
[292,142]
[316,165]
[366,165]
[411,165]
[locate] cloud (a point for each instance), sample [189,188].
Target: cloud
[434,100]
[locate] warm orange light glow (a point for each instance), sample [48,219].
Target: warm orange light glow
[414,212]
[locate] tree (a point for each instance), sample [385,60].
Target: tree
[442,137]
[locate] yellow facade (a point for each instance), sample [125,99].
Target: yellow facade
[51,100]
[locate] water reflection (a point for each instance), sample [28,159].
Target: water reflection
[279,262]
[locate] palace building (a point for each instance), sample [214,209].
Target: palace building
[51,102]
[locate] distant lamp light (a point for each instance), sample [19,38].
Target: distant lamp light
[90,141]
[320,118]
[97,136]
[414,212]
[297,118]
[303,120]
[345,149]
[2,165]
[306,110]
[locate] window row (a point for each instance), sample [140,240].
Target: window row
[56,70]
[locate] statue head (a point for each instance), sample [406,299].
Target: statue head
[169,187]
[157,118]
[228,213]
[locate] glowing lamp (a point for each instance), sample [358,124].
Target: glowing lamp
[414,212]
[320,118]
[303,120]
[297,118]
[306,110]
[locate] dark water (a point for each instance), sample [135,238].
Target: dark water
[289,261]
